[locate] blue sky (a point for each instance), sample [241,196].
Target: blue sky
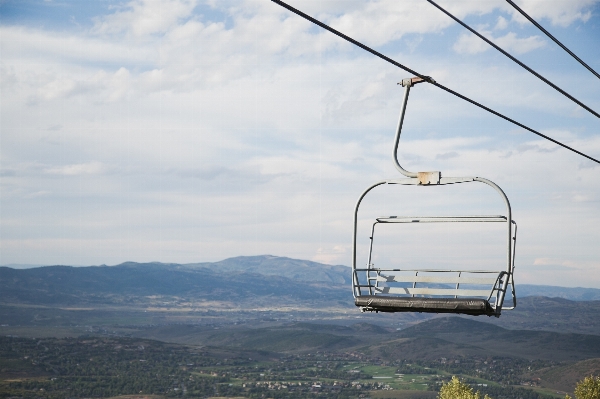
[189,130]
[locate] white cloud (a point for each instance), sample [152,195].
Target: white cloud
[382,21]
[547,261]
[562,12]
[378,22]
[582,198]
[57,88]
[333,255]
[145,17]
[88,168]
[511,42]
[37,194]
[501,24]
[25,47]
[187,137]
[468,43]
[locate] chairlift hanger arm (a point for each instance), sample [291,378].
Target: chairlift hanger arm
[424,177]
[426,78]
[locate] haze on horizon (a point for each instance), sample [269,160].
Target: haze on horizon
[196,130]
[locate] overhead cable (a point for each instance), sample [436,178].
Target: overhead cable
[427,78]
[552,37]
[534,73]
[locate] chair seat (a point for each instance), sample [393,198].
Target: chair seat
[381,303]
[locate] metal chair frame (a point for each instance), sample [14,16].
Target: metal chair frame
[400,290]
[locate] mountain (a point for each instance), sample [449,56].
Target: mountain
[167,292]
[269,265]
[104,284]
[550,291]
[276,267]
[20,266]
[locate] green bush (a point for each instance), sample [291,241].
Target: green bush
[588,388]
[456,389]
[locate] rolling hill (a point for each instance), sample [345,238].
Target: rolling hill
[523,343]
[564,378]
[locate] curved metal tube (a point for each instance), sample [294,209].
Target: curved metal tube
[355,281]
[509,252]
[508,215]
[398,131]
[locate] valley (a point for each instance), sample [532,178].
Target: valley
[154,330]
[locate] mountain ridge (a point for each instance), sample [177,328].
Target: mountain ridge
[314,272]
[70,285]
[242,284]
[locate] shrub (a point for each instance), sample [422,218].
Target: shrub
[456,389]
[588,388]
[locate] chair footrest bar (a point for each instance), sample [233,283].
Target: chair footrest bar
[381,303]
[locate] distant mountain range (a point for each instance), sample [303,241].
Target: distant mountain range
[573,294]
[236,279]
[252,275]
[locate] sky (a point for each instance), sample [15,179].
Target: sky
[196,130]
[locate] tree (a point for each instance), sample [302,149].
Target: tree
[456,389]
[588,388]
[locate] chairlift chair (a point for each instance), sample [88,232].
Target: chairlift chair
[470,292]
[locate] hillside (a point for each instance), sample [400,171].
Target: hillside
[564,378]
[285,338]
[239,289]
[267,308]
[148,275]
[65,285]
[549,291]
[471,336]
[269,265]
[444,337]
[552,314]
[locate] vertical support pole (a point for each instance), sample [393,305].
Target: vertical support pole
[458,284]
[369,263]
[415,283]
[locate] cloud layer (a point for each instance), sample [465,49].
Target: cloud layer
[185,131]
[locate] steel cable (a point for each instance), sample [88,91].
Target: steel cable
[534,73]
[427,78]
[516,7]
